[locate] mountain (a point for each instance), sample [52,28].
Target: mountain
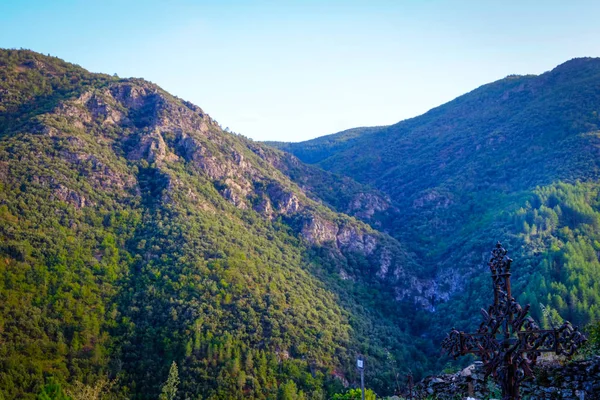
[138,238]
[135,233]
[516,160]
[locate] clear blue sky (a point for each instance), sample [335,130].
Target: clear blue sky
[277,70]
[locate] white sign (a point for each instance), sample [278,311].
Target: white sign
[360,363]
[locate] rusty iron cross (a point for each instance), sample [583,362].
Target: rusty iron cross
[508,341]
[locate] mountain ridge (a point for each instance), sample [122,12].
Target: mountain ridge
[135,232]
[515,160]
[353,133]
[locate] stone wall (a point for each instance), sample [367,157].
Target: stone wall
[575,380]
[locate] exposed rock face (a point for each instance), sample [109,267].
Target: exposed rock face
[235,193]
[151,147]
[166,133]
[424,292]
[364,205]
[433,199]
[76,113]
[284,201]
[344,238]
[263,206]
[350,238]
[103,107]
[573,381]
[385,262]
[69,196]
[318,230]
[132,96]
[388,262]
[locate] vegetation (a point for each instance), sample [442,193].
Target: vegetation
[516,161]
[169,389]
[122,254]
[355,394]
[144,252]
[593,344]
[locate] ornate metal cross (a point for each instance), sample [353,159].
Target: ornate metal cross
[508,341]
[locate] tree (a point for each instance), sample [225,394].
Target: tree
[50,391]
[169,389]
[593,344]
[289,391]
[355,394]
[80,391]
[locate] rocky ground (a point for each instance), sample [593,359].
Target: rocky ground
[574,380]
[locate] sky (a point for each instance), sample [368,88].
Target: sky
[295,70]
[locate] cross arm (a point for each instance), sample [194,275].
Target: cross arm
[562,341]
[459,343]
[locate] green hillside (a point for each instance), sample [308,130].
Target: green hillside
[135,233]
[515,160]
[137,238]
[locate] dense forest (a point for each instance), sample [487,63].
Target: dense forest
[136,235]
[515,160]
[147,253]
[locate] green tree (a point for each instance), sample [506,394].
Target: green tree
[593,344]
[169,389]
[51,391]
[289,391]
[355,394]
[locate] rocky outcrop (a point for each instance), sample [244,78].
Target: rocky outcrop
[103,109]
[161,135]
[387,261]
[351,197]
[365,205]
[152,148]
[346,237]
[67,195]
[433,199]
[131,96]
[317,230]
[351,238]
[264,207]
[573,381]
[236,193]
[284,201]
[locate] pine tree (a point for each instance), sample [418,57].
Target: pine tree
[169,389]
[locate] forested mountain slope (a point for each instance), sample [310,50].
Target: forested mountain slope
[134,233]
[516,160]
